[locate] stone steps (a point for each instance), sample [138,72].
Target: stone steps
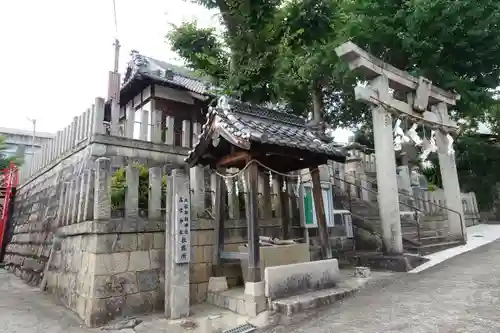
[311,300]
[426,249]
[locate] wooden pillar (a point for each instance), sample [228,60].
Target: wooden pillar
[284,208]
[253,224]
[319,205]
[219,224]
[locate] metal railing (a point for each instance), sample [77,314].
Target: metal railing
[413,198]
[346,194]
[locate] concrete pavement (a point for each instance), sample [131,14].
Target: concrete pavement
[460,295]
[24,309]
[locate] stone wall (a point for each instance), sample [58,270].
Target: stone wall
[105,270]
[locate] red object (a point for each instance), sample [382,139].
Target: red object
[8,181]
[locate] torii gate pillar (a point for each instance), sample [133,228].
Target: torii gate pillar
[424,103]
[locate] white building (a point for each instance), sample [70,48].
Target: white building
[20,142]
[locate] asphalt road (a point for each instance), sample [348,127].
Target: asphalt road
[459,295]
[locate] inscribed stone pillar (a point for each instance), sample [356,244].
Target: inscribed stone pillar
[90,124]
[155,185]
[129,122]
[169,136]
[449,176]
[81,197]
[156,120]
[115,117]
[75,200]
[62,204]
[73,132]
[88,208]
[70,202]
[386,170]
[179,232]
[341,176]
[102,189]
[186,134]
[169,198]
[144,125]
[85,124]
[79,129]
[197,179]
[98,119]
[132,192]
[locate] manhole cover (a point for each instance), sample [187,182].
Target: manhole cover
[241,329]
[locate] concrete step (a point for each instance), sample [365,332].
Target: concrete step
[311,300]
[431,248]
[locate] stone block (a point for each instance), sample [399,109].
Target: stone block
[81,305]
[208,253]
[179,300]
[362,272]
[197,254]
[217,284]
[102,310]
[200,272]
[125,242]
[203,237]
[159,240]
[287,280]
[255,288]
[146,241]
[143,303]
[112,263]
[157,258]
[148,280]
[139,261]
[115,285]
[202,289]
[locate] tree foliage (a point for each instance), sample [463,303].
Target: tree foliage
[4,160]
[119,188]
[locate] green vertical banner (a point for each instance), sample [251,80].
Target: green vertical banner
[308,208]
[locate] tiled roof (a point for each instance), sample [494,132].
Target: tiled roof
[162,71]
[242,123]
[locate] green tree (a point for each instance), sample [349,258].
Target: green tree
[4,160]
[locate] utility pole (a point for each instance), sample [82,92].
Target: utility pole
[33,121]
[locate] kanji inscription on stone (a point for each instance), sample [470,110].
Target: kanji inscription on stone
[182,227]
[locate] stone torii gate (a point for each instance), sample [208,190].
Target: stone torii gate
[423,103]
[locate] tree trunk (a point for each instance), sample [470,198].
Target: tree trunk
[317,99]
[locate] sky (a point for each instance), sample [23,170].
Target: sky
[56,54]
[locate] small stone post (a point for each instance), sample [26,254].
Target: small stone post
[144,125]
[75,200]
[156,121]
[129,122]
[155,184]
[186,134]
[88,208]
[98,119]
[169,136]
[178,228]
[197,178]
[102,189]
[132,192]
